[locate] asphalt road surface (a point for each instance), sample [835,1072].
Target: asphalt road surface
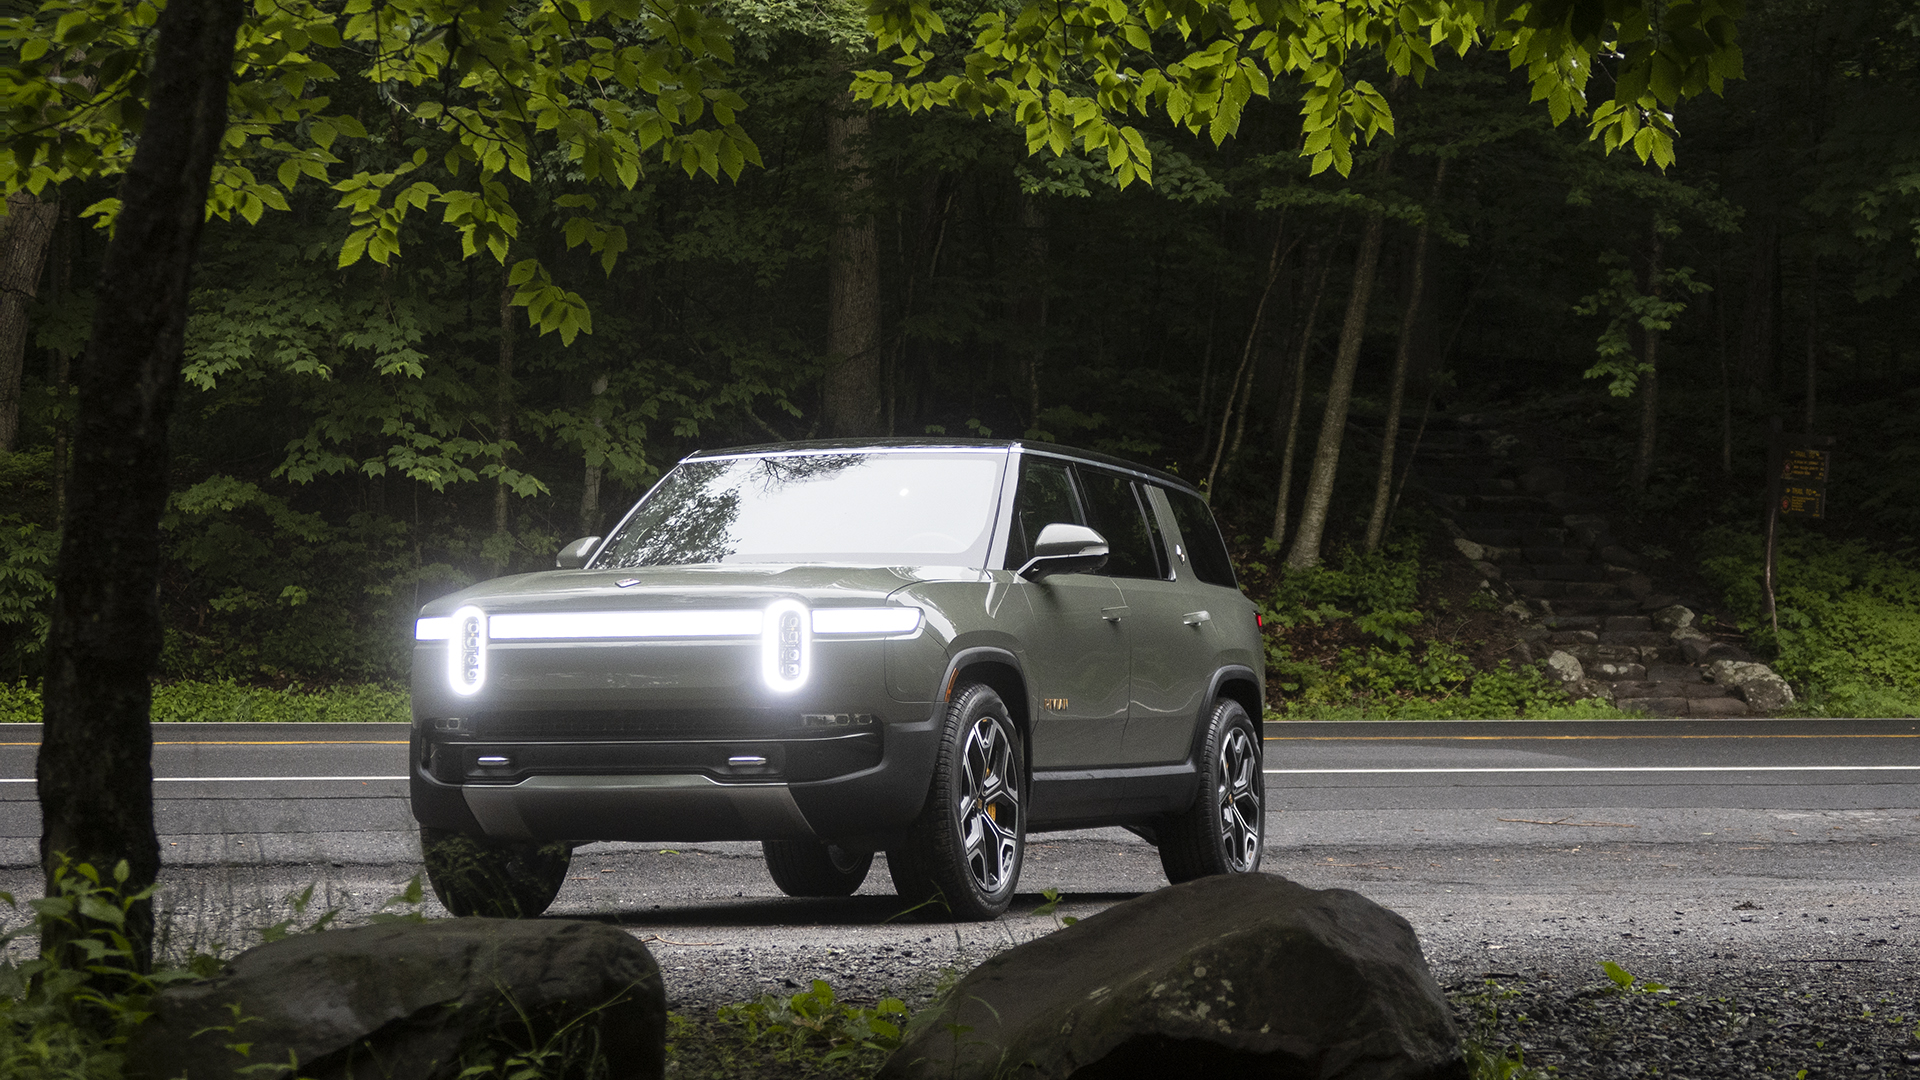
[1669,846]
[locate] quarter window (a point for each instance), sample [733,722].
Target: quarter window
[1206,553]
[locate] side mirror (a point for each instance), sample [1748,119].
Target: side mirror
[1065,549]
[574,555]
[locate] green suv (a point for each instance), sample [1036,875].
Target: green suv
[927,648]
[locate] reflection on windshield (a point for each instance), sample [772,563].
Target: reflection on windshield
[879,509]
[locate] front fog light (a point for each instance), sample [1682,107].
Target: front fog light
[467,651]
[786,645]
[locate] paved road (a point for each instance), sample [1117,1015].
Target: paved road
[1658,843]
[337,792]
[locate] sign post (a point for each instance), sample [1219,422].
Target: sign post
[1798,466]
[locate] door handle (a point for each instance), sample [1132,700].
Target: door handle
[1195,618]
[1113,614]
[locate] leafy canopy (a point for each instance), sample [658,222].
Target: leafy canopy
[498,95]
[1073,72]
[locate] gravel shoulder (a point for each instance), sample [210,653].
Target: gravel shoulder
[1785,945]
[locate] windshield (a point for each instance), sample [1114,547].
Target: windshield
[876,509]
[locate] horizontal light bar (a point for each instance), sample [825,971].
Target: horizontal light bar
[875,620]
[604,624]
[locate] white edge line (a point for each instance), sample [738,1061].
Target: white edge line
[230,779]
[1606,769]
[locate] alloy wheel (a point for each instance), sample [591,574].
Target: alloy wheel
[1237,797]
[989,805]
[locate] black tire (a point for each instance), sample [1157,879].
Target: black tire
[810,868]
[1225,829]
[962,857]
[478,875]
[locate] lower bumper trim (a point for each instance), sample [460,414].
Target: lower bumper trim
[644,808]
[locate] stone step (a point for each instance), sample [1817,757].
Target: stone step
[1656,639]
[1505,504]
[1555,555]
[1681,708]
[1557,572]
[1473,519]
[1502,538]
[1567,502]
[1571,622]
[1629,622]
[1663,688]
[1675,673]
[1572,606]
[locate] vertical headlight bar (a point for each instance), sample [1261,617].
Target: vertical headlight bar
[467,651]
[786,645]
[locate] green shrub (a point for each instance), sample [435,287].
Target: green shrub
[228,702]
[1405,667]
[1849,617]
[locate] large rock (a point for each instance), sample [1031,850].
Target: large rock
[1673,617]
[404,1001]
[1564,667]
[1474,552]
[1243,975]
[1757,684]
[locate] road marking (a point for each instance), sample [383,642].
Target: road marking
[259,742]
[1552,738]
[233,779]
[1608,769]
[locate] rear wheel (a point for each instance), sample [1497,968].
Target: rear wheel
[963,854]
[810,868]
[1225,829]
[502,879]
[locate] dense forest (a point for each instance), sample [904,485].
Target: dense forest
[382,404]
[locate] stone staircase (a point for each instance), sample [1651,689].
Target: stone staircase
[1589,612]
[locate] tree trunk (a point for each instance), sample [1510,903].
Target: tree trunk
[1333,422]
[1650,381]
[1242,382]
[95,772]
[1813,336]
[1757,314]
[590,483]
[1031,309]
[851,397]
[24,238]
[1396,391]
[1285,495]
[503,419]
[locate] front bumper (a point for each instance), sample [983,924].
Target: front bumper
[854,779]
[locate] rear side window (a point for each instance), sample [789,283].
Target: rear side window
[1045,497]
[1132,545]
[1206,552]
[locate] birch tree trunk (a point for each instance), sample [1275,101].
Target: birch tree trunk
[1396,391]
[503,420]
[1650,380]
[1333,422]
[95,770]
[1285,495]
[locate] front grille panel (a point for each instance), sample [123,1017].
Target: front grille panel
[648,725]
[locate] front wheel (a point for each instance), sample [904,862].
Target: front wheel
[963,854]
[1224,830]
[810,868]
[501,879]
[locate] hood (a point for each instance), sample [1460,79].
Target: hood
[668,587]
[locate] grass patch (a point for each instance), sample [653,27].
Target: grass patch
[228,702]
